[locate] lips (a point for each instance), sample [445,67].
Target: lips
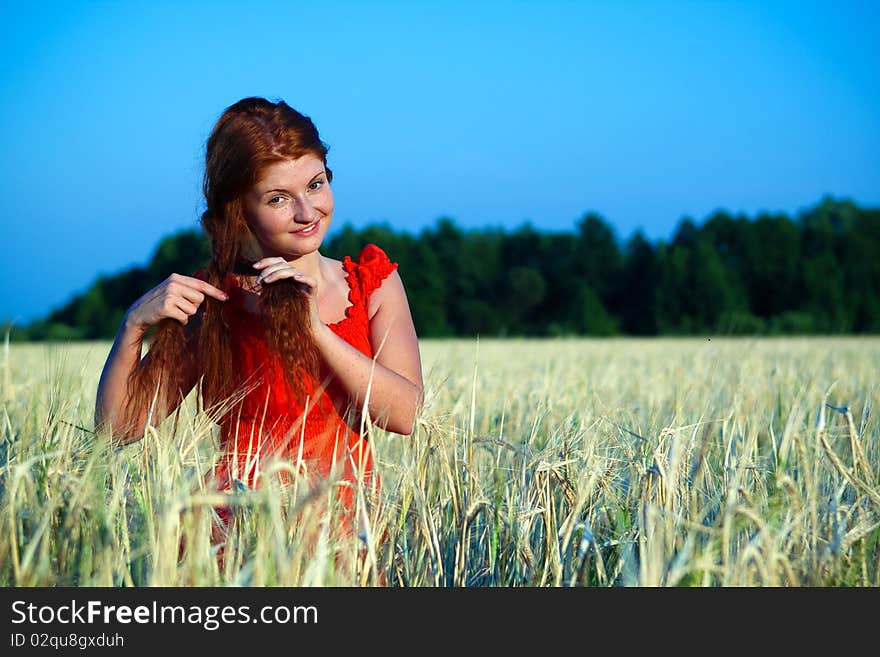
[308,230]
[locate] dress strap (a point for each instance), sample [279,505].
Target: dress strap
[366,275]
[375,267]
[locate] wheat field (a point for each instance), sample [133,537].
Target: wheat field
[570,462]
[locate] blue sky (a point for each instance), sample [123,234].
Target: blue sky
[491,113]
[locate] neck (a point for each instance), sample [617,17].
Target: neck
[310,264]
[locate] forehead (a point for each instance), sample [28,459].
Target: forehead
[290,173]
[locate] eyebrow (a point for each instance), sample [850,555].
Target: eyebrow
[322,172]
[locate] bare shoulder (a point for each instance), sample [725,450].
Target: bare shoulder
[389,295]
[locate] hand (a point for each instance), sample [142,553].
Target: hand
[277,268]
[177,297]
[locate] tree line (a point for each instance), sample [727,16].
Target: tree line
[817,273]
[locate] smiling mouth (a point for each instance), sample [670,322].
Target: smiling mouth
[309,230]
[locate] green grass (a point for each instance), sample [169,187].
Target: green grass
[620,462]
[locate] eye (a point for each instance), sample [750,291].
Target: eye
[316,185]
[275,200]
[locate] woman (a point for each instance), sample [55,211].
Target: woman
[291,348]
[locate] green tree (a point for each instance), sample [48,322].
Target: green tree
[696,291]
[586,314]
[181,253]
[637,302]
[598,261]
[525,291]
[861,250]
[823,279]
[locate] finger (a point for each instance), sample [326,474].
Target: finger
[308,285]
[269,267]
[263,262]
[311,281]
[176,307]
[210,290]
[178,314]
[276,274]
[190,294]
[273,267]
[200,285]
[187,307]
[288,272]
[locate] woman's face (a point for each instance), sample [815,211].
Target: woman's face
[290,208]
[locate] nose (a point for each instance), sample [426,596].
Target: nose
[304,211]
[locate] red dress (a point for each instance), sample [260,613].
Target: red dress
[319,435]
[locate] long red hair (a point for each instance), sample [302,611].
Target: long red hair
[249,136]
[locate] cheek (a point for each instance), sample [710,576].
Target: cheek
[265,224]
[327,203]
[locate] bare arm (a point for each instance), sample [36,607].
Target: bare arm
[178,298]
[124,356]
[395,381]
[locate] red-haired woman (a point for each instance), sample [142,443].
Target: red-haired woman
[300,341]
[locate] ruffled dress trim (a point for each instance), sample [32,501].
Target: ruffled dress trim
[364,277]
